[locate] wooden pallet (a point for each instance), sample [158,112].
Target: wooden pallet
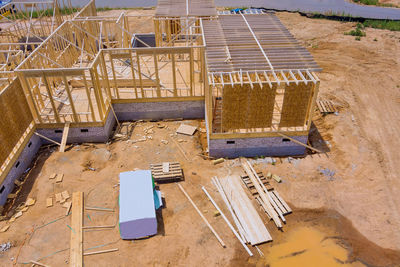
[246,180]
[326,106]
[174,173]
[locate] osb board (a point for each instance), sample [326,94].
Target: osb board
[246,107]
[295,104]
[15,117]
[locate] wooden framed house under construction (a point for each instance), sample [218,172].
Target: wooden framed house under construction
[245,74]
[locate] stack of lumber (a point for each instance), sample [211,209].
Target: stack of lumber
[247,182]
[249,224]
[282,205]
[272,203]
[166,172]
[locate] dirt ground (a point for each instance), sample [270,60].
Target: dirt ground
[348,195]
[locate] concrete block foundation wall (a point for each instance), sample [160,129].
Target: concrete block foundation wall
[81,134]
[23,162]
[253,147]
[160,110]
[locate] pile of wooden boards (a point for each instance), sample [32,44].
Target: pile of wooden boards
[270,200]
[166,172]
[249,224]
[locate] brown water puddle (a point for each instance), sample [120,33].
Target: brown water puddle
[306,246]
[317,237]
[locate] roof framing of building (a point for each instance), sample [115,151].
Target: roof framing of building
[253,42]
[185,8]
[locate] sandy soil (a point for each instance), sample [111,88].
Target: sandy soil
[357,205]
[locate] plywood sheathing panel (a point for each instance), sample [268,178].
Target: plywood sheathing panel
[15,118]
[295,104]
[245,107]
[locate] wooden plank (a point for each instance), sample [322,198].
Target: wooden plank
[202,216]
[38,263]
[266,192]
[299,143]
[262,194]
[100,252]
[48,139]
[227,221]
[49,202]
[186,129]
[255,229]
[76,243]
[165,167]
[278,203]
[59,178]
[282,201]
[64,137]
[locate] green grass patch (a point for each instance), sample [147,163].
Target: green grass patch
[359,31]
[374,3]
[393,25]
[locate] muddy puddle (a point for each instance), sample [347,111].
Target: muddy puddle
[307,246]
[319,238]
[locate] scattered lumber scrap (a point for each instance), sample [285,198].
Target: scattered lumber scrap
[76,243]
[166,172]
[326,107]
[38,263]
[218,161]
[202,216]
[59,177]
[186,129]
[100,252]
[299,143]
[64,137]
[227,221]
[270,200]
[249,224]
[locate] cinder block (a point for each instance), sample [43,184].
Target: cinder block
[253,147]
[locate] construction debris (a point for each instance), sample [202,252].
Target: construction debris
[227,222]
[49,202]
[276,178]
[202,216]
[6,246]
[101,251]
[59,177]
[246,218]
[217,161]
[4,229]
[30,202]
[186,129]
[271,202]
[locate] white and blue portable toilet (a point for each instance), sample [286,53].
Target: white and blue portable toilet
[138,201]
